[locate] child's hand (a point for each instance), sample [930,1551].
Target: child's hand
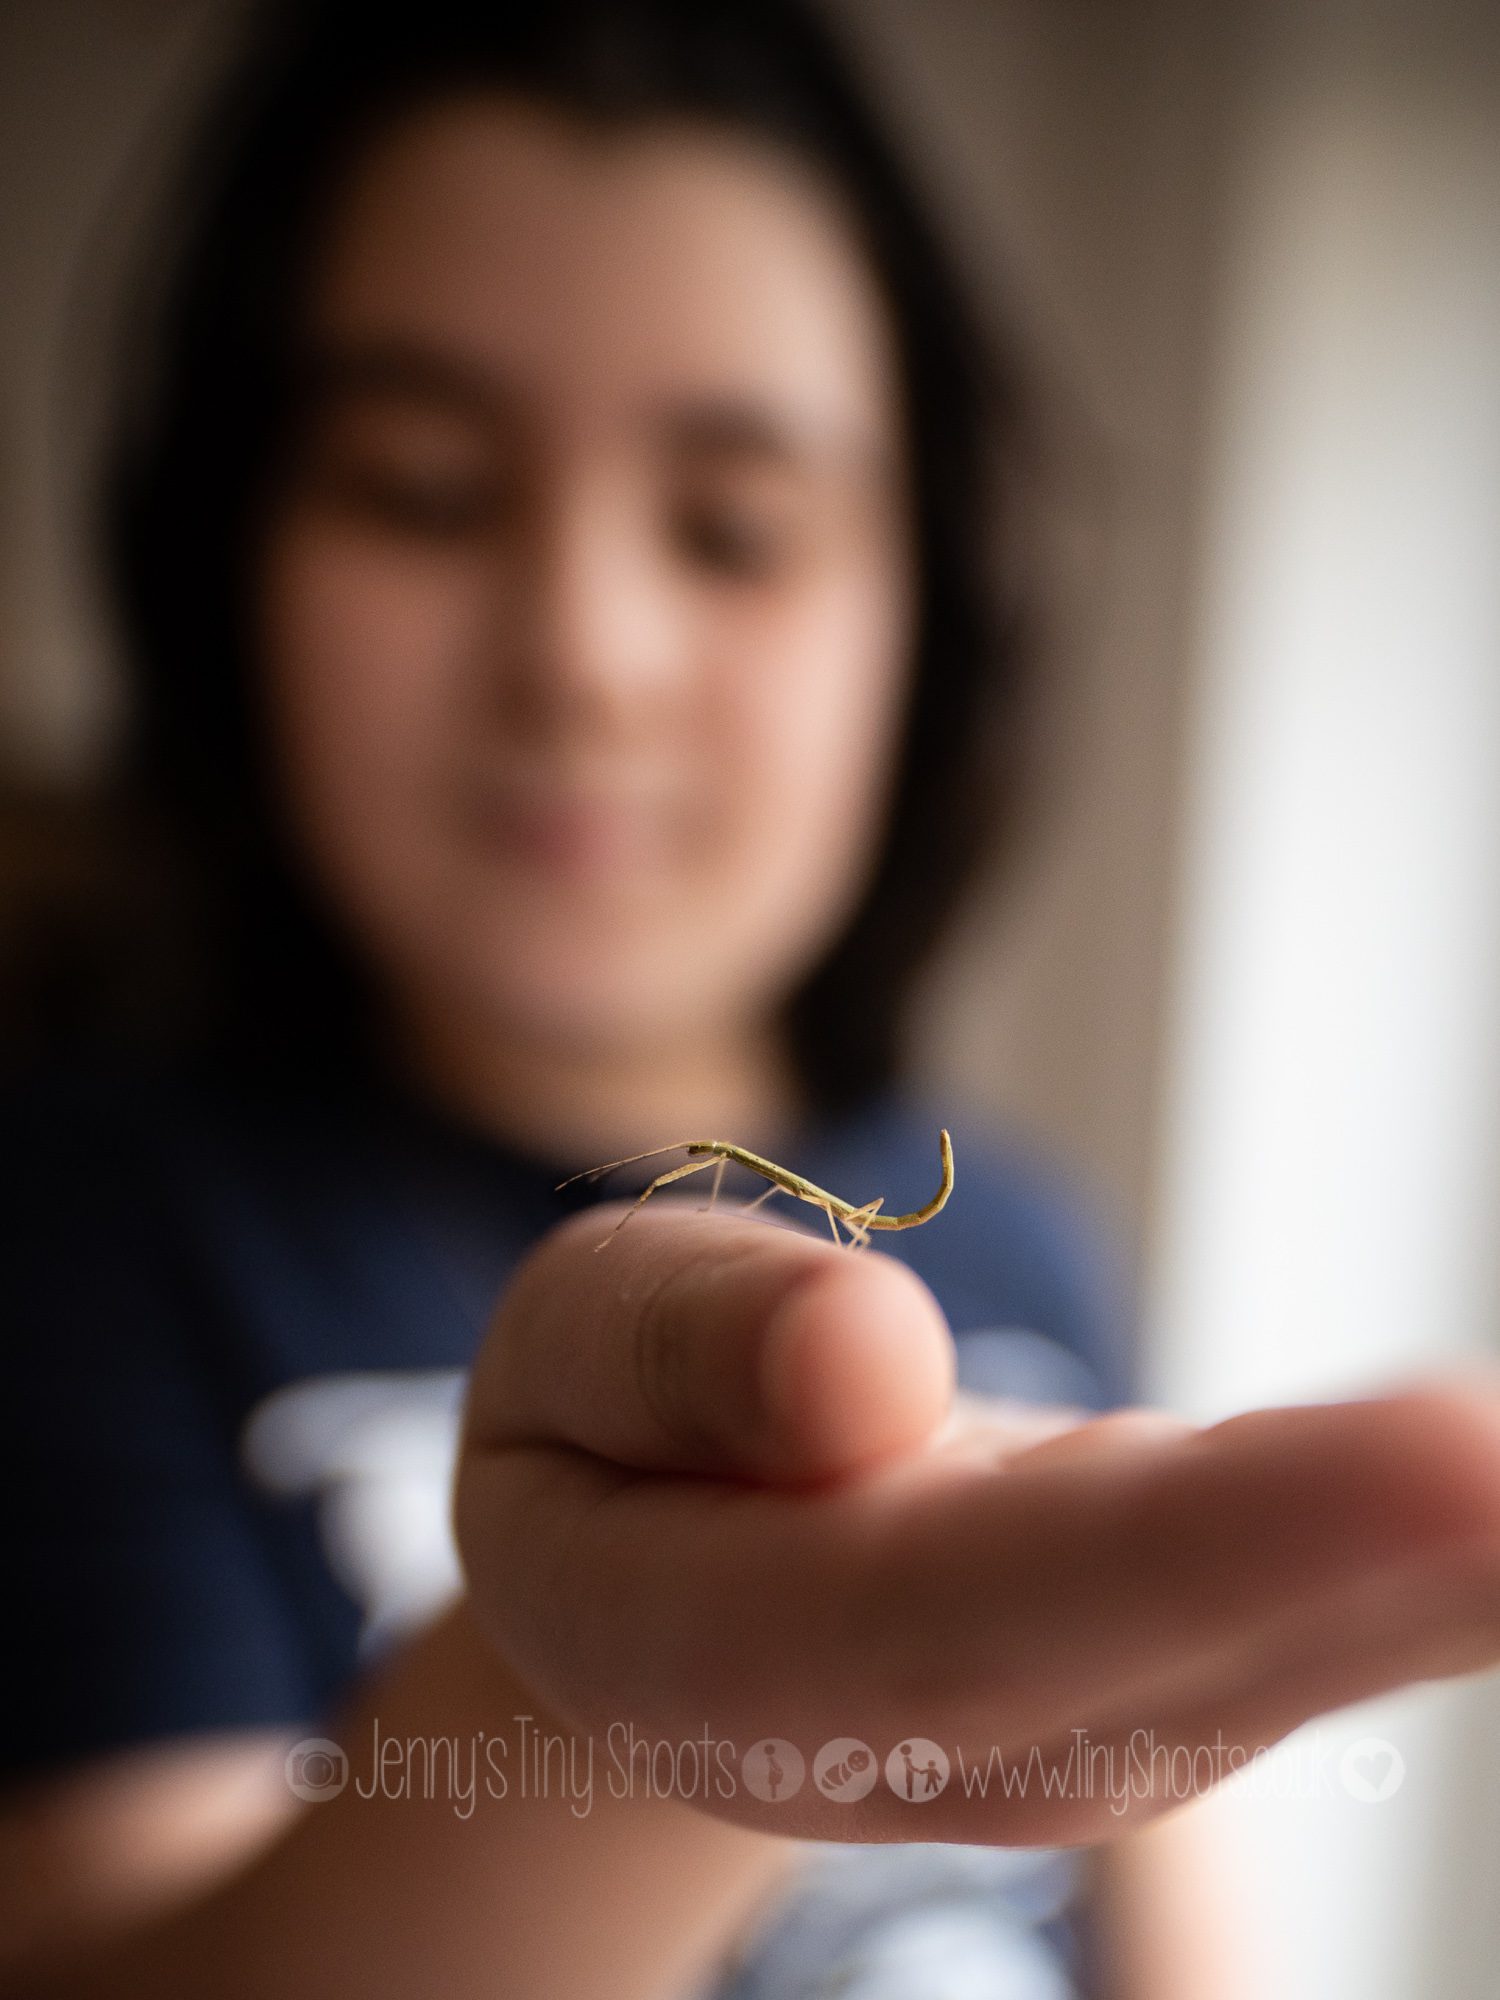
[715,1480]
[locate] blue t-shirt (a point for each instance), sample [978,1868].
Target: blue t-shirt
[239,1320]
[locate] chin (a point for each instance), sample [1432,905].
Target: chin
[581,1022]
[566,977]
[593,999]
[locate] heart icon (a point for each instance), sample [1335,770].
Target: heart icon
[1372,1770]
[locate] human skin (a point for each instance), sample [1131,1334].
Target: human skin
[587,611]
[761,1508]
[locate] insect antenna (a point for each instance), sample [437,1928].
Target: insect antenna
[595,1173]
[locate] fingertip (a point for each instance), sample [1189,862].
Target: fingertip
[1442,1445]
[856,1367]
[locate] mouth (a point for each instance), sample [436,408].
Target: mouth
[572,835]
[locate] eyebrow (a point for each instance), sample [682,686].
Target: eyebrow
[723,425]
[733,427]
[398,368]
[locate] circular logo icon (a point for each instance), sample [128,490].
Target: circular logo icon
[1372,1770]
[845,1770]
[773,1769]
[316,1769]
[917,1769]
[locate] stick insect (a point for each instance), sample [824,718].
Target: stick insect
[718,1153]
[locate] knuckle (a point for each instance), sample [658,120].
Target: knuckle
[665,1362]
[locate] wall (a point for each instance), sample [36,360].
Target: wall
[1331,1139]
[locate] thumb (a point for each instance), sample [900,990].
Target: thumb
[713,1344]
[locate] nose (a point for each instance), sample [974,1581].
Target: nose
[594,633]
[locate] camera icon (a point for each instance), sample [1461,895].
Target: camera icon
[316,1769]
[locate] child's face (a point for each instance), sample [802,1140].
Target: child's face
[587,599]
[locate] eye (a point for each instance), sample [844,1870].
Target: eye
[735,542]
[431,506]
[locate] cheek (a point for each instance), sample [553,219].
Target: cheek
[365,691]
[808,743]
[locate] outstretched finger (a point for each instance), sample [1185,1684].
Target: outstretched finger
[708,1343]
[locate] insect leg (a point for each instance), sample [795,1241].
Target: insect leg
[858,1223]
[713,1194]
[672,1174]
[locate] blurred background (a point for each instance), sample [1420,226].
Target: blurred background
[1246,980]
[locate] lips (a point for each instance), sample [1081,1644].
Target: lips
[570,835]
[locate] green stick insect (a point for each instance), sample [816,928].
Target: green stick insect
[718,1154]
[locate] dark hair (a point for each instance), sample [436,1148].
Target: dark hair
[199,426]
